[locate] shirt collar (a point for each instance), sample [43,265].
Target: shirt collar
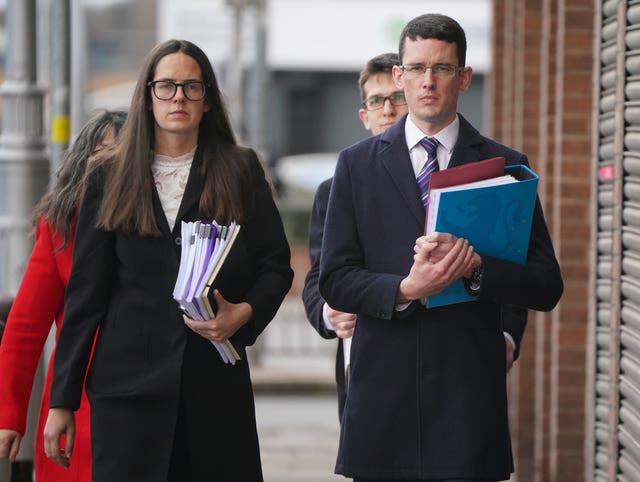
[447,137]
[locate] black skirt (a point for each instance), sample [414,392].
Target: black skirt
[207,433]
[215,436]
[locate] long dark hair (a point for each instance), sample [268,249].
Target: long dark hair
[128,194]
[60,202]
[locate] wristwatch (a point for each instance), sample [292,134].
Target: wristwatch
[474,283]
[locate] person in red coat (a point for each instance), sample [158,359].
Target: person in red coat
[39,303]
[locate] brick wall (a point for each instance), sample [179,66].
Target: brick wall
[540,101]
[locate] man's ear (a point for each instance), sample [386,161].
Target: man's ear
[465,77]
[364,117]
[396,73]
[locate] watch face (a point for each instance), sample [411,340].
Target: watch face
[474,283]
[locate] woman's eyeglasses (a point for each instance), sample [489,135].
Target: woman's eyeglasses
[166,89]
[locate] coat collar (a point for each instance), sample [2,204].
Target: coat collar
[467,147]
[394,154]
[193,189]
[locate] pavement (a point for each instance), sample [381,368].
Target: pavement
[298,437]
[292,371]
[297,419]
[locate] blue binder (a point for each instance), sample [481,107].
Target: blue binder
[495,219]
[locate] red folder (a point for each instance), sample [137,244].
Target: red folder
[469,172]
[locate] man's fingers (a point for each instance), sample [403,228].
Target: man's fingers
[459,259]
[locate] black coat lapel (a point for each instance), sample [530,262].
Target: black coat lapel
[158,212]
[193,189]
[467,145]
[394,154]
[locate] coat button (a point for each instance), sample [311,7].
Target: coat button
[178,240]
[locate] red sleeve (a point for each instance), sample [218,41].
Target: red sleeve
[38,303]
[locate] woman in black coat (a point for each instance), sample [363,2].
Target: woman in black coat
[165,407]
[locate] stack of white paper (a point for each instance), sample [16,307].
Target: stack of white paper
[434,196]
[204,249]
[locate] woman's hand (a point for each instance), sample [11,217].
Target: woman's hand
[9,443]
[229,318]
[59,422]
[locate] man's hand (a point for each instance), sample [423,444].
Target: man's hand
[440,259]
[9,444]
[59,422]
[342,323]
[443,243]
[229,318]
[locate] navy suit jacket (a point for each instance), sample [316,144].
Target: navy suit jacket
[313,301]
[427,393]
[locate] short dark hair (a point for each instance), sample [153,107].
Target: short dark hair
[437,26]
[379,64]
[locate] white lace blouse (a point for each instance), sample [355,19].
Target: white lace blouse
[170,175]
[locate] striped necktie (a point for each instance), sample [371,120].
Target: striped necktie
[430,145]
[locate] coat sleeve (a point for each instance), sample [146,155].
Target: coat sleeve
[86,300]
[269,254]
[311,297]
[537,284]
[37,304]
[345,282]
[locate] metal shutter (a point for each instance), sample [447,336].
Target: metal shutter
[629,378]
[610,128]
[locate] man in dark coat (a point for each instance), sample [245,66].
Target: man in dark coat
[382,106]
[427,390]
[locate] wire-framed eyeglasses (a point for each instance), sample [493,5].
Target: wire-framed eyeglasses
[166,89]
[376,102]
[438,70]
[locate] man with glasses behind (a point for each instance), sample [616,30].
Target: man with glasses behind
[427,390]
[382,105]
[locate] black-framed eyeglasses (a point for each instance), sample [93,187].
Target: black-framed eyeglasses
[166,89]
[376,102]
[438,70]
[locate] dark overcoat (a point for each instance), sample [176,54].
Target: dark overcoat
[427,393]
[514,318]
[147,365]
[313,301]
